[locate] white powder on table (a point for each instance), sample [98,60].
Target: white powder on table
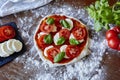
[88,68]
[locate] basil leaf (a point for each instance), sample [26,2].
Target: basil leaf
[74,41]
[65,24]
[59,57]
[60,41]
[50,21]
[48,39]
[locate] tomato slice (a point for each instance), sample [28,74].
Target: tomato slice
[52,52]
[7,32]
[79,33]
[64,33]
[46,28]
[41,42]
[72,51]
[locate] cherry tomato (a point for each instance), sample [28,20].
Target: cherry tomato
[64,33]
[72,51]
[6,32]
[52,52]
[113,38]
[79,33]
[46,28]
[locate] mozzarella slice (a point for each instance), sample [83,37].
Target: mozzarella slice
[70,22]
[40,34]
[45,51]
[17,45]
[9,44]
[56,37]
[1,52]
[5,50]
[72,37]
[63,49]
[54,28]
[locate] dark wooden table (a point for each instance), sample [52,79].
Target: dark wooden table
[110,62]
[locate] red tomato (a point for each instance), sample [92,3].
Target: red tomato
[72,51]
[79,33]
[41,42]
[52,52]
[113,38]
[7,32]
[46,28]
[64,33]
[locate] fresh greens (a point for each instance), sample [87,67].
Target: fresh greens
[48,39]
[59,57]
[104,14]
[65,24]
[60,41]
[50,21]
[74,41]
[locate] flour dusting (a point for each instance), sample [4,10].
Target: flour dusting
[89,68]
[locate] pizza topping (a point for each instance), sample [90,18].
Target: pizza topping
[50,21]
[47,28]
[60,41]
[63,49]
[6,32]
[73,41]
[65,24]
[79,33]
[72,51]
[64,33]
[48,39]
[59,57]
[52,52]
[70,23]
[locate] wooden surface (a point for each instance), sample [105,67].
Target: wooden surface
[110,62]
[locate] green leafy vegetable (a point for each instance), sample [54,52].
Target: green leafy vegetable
[59,57]
[74,41]
[50,21]
[65,24]
[48,39]
[104,14]
[60,41]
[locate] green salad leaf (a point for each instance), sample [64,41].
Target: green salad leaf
[104,14]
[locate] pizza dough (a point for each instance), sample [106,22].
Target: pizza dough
[58,34]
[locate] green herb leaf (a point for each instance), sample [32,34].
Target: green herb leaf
[104,14]
[74,41]
[60,41]
[50,21]
[59,57]
[48,39]
[65,24]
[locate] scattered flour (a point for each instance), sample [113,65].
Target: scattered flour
[89,68]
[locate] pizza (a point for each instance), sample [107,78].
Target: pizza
[61,40]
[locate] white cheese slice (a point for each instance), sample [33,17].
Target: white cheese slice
[70,22]
[5,50]
[56,37]
[72,37]
[1,52]
[63,49]
[54,28]
[17,45]
[9,44]
[45,51]
[41,33]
